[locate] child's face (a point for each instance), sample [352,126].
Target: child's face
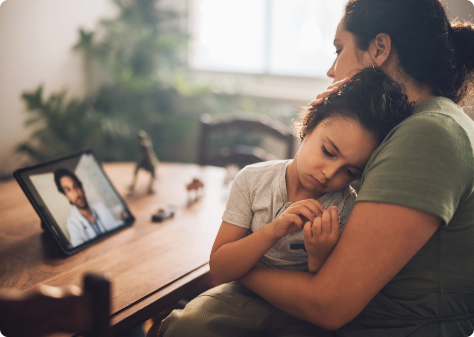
[333,155]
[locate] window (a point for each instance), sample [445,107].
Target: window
[280,37]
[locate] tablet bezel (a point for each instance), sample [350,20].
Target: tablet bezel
[47,220]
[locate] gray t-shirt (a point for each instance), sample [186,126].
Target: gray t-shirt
[258,195]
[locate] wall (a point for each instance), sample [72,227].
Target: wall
[36,37]
[461,9]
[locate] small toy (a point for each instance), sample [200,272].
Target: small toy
[163,214]
[196,186]
[147,160]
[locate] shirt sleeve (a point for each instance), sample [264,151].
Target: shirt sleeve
[239,205]
[425,164]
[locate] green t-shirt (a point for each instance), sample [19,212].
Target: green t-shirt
[426,163]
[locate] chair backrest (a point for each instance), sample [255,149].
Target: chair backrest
[45,309]
[238,154]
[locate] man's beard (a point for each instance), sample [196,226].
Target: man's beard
[85,207]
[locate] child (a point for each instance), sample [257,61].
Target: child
[288,213]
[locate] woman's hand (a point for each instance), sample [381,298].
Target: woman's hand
[320,237]
[331,89]
[294,217]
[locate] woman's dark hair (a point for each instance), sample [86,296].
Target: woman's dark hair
[62,172]
[372,98]
[430,49]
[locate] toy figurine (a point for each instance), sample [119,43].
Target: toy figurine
[195,186]
[147,160]
[163,214]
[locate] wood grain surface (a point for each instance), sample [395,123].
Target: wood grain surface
[151,265]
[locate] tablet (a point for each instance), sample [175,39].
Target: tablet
[75,200]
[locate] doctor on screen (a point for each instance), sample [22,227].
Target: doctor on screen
[86,221]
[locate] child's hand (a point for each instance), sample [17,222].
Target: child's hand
[295,216]
[320,237]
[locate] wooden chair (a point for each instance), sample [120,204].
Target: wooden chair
[239,154]
[45,310]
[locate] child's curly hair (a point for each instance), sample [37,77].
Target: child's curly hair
[372,98]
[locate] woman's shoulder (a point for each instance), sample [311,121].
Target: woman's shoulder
[441,110]
[438,118]
[425,163]
[437,104]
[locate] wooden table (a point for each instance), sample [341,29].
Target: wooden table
[151,265]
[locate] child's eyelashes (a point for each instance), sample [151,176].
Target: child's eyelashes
[349,172]
[352,174]
[327,153]
[338,51]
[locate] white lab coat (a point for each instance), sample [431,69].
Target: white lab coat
[80,230]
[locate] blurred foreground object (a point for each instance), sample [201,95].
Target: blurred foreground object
[147,160]
[242,155]
[45,309]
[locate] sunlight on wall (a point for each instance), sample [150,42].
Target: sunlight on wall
[36,39]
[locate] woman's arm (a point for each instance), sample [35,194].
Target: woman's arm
[378,240]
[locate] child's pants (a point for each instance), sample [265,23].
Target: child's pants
[232,310]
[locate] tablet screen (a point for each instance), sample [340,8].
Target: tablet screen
[75,200]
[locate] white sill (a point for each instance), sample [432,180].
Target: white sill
[262,85]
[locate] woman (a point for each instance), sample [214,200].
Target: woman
[404,263]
